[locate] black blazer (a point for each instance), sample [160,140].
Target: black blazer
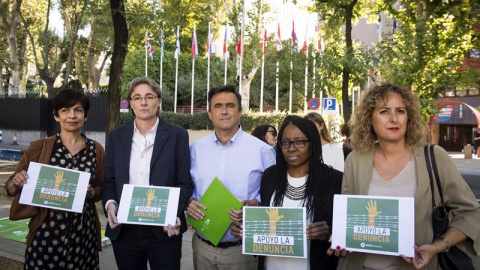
[318,248]
[170,166]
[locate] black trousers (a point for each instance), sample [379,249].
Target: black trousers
[136,245]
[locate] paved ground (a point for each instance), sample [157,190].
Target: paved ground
[470,169]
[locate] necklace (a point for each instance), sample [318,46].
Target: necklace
[295,193]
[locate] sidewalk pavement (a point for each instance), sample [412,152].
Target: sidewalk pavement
[16,250]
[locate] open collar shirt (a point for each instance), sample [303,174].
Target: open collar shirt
[141,155]
[239,165]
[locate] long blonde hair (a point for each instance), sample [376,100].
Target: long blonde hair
[363,137]
[317,118]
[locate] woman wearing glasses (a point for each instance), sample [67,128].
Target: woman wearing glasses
[146,152]
[266,133]
[298,179]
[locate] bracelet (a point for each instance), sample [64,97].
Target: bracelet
[446,242]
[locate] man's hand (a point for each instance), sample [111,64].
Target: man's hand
[173,230]
[112,215]
[194,209]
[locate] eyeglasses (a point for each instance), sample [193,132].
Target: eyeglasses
[147,98]
[297,143]
[274,133]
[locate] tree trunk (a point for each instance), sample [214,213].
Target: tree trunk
[120,31]
[10,26]
[246,82]
[347,108]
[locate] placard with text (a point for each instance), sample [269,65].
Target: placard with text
[148,205]
[374,224]
[55,187]
[275,231]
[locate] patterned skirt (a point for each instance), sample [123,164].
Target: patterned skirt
[65,240]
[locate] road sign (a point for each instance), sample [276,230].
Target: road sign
[124,105]
[330,106]
[314,103]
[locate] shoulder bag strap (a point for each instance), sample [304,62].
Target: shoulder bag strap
[437,177]
[429,169]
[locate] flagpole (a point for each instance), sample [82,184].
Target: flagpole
[306,81]
[146,56]
[225,54]
[193,69]
[176,75]
[263,70]
[242,40]
[314,74]
[161,65]
[276,88]
[291,68]
[208,61]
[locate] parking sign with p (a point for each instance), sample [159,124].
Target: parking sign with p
[329,105]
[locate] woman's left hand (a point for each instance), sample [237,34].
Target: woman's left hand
[173,230]
[423,255]
[318,230]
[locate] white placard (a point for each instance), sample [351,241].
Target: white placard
[55,187]
[374,224]
[148,205]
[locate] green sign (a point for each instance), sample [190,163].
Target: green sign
[148,205]
[372,224]
[55,187]
[14,230]
[273,231]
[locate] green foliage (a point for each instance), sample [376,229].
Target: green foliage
[200,121]
[428,48]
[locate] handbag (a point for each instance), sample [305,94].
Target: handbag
[454,258]
[22,211]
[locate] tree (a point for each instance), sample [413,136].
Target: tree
[426,52]
[53,50]
[334,14]
[73,12]
[10,20]
[251,49]
[120,31]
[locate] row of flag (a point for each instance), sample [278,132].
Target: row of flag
[194,48]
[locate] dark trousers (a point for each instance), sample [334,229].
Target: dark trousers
[136,245]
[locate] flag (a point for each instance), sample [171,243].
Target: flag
[162,38]
[209,43]
[279,39]
[321,45]
[177,46]
[264,42]
[194,44]
[294,36]
[148,46]
[394,24]
[239,45]
[305,42]
[225,43]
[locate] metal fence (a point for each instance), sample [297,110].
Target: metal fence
[37,114]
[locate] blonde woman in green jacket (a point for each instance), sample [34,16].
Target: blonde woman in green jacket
[388,136]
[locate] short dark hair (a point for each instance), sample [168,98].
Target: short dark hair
[67,98]
[261,131]
[143,80]
[228,88]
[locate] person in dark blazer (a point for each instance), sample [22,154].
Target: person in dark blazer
[148,151]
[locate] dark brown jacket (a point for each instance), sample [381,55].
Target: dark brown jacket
[40,151]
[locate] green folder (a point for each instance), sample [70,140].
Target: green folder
[218,200]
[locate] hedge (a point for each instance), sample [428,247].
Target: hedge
[199,121]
